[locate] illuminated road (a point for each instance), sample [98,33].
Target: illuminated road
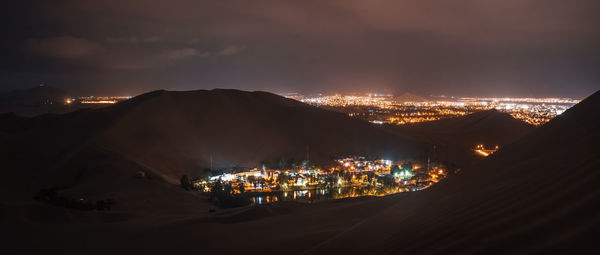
[485,153]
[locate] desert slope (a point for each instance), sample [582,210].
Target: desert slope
[182,130]
[538,195]
[35,101]
[169,133]
[535,195]
[455,138]
[484,127]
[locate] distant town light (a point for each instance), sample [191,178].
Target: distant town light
[382,109]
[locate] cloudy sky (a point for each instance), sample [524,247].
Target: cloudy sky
[459,47]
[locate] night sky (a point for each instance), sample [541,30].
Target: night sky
[467,47]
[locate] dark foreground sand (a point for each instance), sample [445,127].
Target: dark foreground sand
[538,195]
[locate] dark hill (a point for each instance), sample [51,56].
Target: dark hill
[488,127]
[172,133]
[455,138]
[34,96]
[34,101]
[537,195]
[183,129]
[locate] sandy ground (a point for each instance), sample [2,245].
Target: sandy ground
[537,195]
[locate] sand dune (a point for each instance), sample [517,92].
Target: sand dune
[536,195]
[35,101]
[455,138]
[96,152]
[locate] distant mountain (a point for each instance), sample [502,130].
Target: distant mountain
[538,195]
[241,128]
[34,96]
[34,101]
[172,133]
[408,97]
[490,127]
[455,138]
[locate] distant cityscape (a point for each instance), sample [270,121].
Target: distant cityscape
[96,99]
[408,108]
[351,176]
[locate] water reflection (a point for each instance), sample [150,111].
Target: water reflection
[321,194]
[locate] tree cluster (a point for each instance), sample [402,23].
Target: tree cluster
[51,196]
[223,195]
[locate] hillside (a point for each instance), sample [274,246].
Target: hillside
[168,134]
[34,96]
[242,128]
[455,138]
[536,195]
[485,127]
[35,101]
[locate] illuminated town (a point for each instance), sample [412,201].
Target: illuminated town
[349,177]
[388,109]
[99,100]
[484,152]
[274,127]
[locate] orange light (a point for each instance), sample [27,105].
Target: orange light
[482,153]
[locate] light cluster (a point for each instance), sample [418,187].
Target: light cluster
[483,151]
[97,99]
[349,177]
[381,109]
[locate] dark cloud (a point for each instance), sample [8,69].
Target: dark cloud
[133,39]
[230,50]
[469,47]
[185,53]
[63,47]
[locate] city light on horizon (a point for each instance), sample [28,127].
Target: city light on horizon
[300,127]
[386,108]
